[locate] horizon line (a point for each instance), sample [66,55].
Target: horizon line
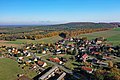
[54,23]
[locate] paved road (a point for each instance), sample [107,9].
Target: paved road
[61,67]
[77,76]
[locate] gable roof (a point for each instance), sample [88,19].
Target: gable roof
[40,62]
[86,68]
[55,59]
[84,56]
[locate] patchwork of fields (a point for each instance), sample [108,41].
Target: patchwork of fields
[113,37]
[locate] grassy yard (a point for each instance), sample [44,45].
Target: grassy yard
[71,64]
[9,70]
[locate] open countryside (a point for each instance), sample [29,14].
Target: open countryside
[111,35]
[59,39]
[44,51]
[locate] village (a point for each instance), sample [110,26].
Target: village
[67,59]
[59,39]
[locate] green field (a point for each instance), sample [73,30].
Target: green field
[112,36]
[44,40]
[9,70]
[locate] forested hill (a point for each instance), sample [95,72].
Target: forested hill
[67,26]
[38,32]
[70,25]
[83,25]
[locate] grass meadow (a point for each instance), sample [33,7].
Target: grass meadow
[112,36]
[9,70]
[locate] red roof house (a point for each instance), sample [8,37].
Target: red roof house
[84,57]
[87,69]
[57,60]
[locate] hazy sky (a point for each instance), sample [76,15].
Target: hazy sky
[57,11]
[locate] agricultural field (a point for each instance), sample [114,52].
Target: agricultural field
[9,70]
[20,42]
[44,40]
[12,66]
[112,36]
[8,67]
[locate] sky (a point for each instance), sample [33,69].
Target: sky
[58,11]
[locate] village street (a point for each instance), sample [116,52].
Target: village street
[77,76]
[79,58]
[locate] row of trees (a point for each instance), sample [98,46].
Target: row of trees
[112,74]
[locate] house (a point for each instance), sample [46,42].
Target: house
[87,69]
[104,64]
[107,57]
[58,51]
[53,73]
[42,64]
[81,48]
[95,53]
[15,51]
[33,46]
[99,42]
[62,76]
[94,60]
[27,47]
[29,54]
[35,59]
[84,57]
[44,52]
[57,60]
[48,74]
[25,51]
[71,39]
[9,50]
[20,59]
[28,62]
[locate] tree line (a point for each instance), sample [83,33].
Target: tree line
[38,35]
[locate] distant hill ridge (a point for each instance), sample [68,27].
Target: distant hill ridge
[74,25]
[67,26]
